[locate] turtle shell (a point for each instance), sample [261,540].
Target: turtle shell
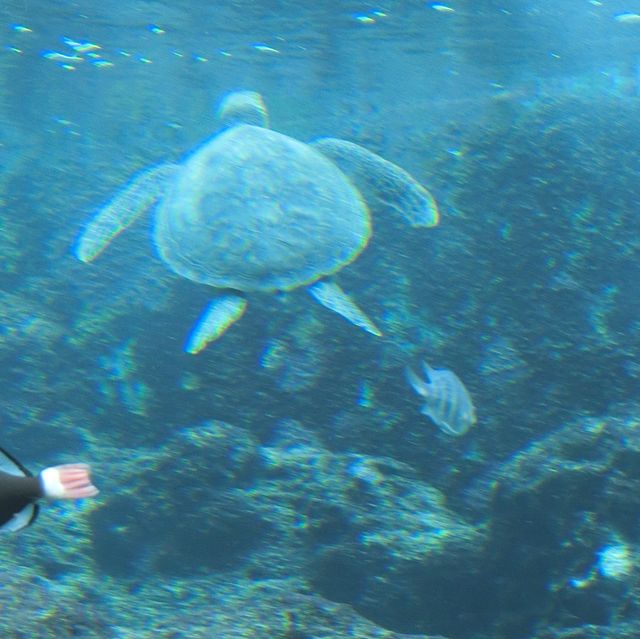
[254,210]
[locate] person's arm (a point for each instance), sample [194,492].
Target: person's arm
[68,481]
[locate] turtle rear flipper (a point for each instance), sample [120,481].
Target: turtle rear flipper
[381,180]
[331,296]
[221,312]
[123,210]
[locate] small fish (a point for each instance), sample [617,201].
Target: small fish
[443,8]
[61,57]
[627,18]
[264,48]
[447,401]
[81,46]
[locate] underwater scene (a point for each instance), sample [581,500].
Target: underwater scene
[339,302]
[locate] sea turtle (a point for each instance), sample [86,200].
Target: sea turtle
[255,210]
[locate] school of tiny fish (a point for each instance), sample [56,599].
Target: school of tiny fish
[446,400]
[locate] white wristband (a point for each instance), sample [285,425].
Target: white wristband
[51,484]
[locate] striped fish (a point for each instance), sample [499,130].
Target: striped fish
[446,400]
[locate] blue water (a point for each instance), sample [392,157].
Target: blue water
[282,482]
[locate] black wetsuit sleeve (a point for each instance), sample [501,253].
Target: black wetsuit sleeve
[16,492]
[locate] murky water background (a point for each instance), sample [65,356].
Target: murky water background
[283,482]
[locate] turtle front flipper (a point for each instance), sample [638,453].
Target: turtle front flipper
[214,321]
[329,294]
[382,180]
[123,209]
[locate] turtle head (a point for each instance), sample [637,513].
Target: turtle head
[242,107]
